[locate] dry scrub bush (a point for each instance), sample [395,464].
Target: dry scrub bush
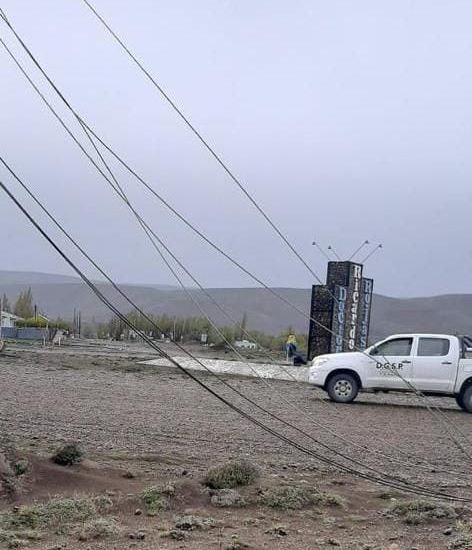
[194,523]
[291,497]
[98,528]
[17,539]
[11,468]
[233,474]
[415,512]
[463,542]
[57,513]
[464,526]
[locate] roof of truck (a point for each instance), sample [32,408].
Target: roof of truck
[422,335]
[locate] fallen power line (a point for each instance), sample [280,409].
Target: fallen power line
[435,411]
[404,485]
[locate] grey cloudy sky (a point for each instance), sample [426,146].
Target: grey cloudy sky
[346,120]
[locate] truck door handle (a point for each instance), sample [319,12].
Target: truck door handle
[406,362]
[446,363]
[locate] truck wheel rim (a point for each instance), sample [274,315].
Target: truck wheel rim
[343,388]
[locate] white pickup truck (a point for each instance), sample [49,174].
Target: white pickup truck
[435,364]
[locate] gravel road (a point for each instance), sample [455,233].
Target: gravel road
[118,407]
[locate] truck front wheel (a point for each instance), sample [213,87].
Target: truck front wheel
[342,388]
[464,400]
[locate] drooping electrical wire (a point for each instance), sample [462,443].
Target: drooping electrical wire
[432,408]
[405,486]
[158,329]
[204,142]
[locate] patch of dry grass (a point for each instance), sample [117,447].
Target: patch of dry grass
[294,497]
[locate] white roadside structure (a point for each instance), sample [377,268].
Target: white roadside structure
[8,320]
[245,344]
[238,368]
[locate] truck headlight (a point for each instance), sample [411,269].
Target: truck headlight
[318,361]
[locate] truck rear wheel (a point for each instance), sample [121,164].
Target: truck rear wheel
[466,399]
[342,388]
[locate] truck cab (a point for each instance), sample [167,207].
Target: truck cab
[435,364]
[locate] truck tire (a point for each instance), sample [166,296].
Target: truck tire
[342,388]
[466,398]
[459,401]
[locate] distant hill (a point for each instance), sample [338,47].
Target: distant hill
[33,277]
[58,295]
[28,278]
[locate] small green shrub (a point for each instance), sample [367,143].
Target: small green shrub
[20,467]
[291,497]
[156,499]
[233,474]
[68,455]
[415,512]
[9,539]
[8,485]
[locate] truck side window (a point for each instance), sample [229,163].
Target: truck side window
[396,347]
[433,347]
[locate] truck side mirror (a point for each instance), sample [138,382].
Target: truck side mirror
[374,351]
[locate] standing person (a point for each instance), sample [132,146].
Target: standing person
[291,345]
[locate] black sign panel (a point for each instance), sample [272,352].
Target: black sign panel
[352,306]
[342,307]
[365,305]
[339,319]
[321,313]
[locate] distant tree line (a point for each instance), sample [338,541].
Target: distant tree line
[188,329]
[181,329]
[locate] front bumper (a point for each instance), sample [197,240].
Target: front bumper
[317,376]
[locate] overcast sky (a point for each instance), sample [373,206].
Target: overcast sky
[345,120]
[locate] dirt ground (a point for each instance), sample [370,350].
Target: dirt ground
[160,425]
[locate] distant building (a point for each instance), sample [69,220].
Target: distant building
[245,344]
[8,320]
